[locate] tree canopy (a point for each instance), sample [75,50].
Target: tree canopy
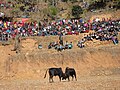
[76,11]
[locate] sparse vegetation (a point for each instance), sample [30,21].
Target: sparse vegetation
[57,7]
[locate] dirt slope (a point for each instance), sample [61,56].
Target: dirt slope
[84,60]
[97,65]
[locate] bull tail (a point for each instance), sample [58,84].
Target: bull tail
[45,73]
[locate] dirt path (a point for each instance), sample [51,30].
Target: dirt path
[83,83]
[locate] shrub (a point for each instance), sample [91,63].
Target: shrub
[53,11]
[76,11]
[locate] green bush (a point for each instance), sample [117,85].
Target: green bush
[76,11]
[97,4]
[53,11]
[64,0]
[118,4]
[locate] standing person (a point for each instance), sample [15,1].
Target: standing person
[17,43]
[61,39]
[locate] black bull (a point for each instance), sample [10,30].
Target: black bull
[69,72]
[54,72]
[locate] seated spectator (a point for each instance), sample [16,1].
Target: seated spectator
[50,45]
[39,46]
[70,45]
[59,47]
[89,38]
[116,39]
[66,45]
[81,44]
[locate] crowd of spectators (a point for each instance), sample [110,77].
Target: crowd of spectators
[6,5]
[103,29]
[64,27]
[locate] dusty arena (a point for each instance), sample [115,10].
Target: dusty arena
[97,65]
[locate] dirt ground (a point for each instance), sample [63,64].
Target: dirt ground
[83,83]
[97,65]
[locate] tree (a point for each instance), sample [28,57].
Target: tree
[97,4]
[76,11]
[73,1]
[64,0]
[118,4]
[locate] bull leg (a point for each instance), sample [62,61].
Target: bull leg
[75,77]
[72,78]
[51,77]
[60,78]
[68,78]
